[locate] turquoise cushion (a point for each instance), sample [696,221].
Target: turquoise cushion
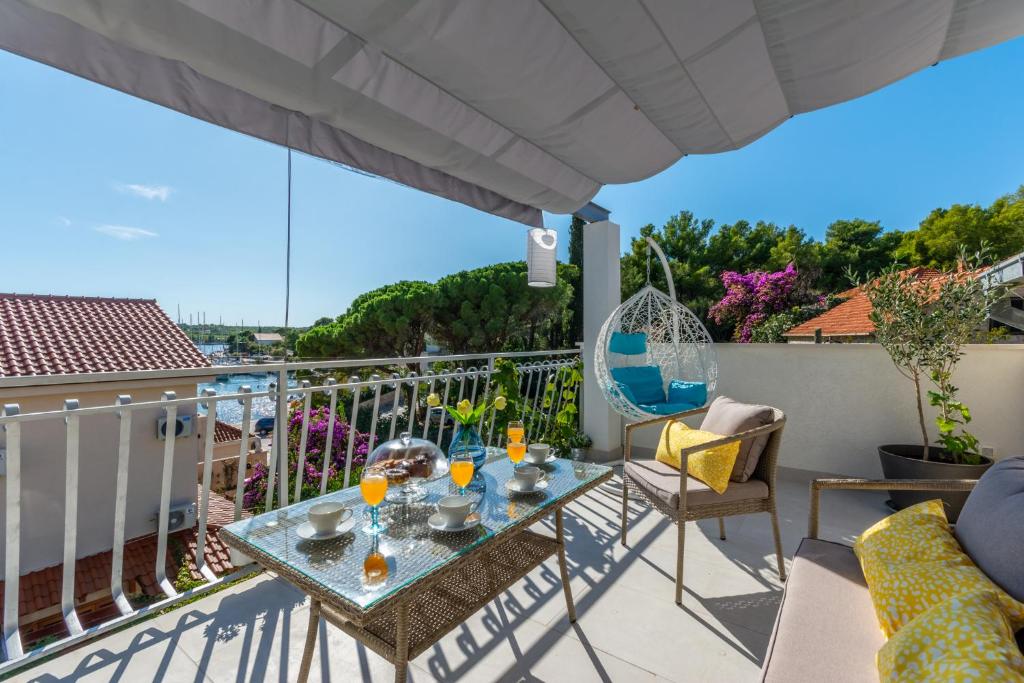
[644,381]
[628,344]
[666,408]
[627,392]
[687,392]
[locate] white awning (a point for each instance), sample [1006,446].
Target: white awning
[510,106]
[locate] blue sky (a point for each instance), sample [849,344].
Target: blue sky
[103,194]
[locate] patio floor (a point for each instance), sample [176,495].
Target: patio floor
[629,628]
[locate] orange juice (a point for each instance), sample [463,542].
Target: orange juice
[516,451]
[374,487]
[375,568]
[462,472]
[515,434]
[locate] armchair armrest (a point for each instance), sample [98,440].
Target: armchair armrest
[938,485]
[633,426]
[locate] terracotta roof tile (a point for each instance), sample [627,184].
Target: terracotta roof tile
[59,335]
[224,432]
[852,318]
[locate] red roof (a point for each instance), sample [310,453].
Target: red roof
[40,591]
[852,317]
[224,432]
[60,335]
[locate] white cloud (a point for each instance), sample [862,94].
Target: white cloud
[64,220]
[161,192]
[126,233]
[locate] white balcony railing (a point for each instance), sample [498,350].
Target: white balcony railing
[538,375]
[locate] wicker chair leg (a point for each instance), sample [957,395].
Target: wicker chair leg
[778,545]
[625,507]
[562,568]
[679,561]
[402,643]
[721,528]
[311,634]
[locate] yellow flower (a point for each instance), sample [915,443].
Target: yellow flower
[433,400]
[500,403]
[465,407]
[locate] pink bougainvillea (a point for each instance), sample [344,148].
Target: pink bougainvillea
[751,298]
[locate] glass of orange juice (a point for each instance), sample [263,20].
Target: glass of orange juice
[461,469]
[374,486]
[515,431]
[516,451]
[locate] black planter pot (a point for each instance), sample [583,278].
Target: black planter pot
[904,462]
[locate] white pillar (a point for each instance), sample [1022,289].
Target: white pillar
[601,295]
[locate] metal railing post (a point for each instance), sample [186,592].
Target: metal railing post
[204,502]
[12,553]
[121,505]
[163,518]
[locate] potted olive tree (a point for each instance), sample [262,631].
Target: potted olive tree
[923,325]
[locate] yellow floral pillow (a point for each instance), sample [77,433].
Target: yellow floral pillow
[965,638]
[912,562]
[712,466]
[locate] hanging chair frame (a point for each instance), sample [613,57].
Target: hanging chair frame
[677,341]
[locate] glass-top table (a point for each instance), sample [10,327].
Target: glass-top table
[401,591]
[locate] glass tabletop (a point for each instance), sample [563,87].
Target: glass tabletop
[364,569]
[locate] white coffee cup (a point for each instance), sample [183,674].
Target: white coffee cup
[537,453]
[527,477]
[454,509]
[325,517]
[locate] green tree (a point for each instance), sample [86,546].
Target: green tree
[742,247]
[492,309]
[387,321]
[576,259]
[855,246]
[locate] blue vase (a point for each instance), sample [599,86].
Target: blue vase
[467,440]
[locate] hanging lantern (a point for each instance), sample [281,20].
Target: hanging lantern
[541,261]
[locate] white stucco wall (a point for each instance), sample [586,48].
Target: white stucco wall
[43,460]
[844,400]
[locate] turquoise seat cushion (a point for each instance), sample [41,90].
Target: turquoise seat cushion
[628,344]
[627,392]
[680,391]
[666,408]
[644,382]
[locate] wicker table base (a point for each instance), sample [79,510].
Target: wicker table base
[414,624]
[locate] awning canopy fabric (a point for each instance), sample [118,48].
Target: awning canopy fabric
[510,106]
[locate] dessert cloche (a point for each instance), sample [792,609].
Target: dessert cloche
[406,462]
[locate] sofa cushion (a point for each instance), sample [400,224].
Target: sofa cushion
[628,344]
[726,416]
[661,481]
[644,381]
[991,527]
[826,628]
[711,465]
[687,392]
[665,408]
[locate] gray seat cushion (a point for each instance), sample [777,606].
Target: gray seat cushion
[826,629]
[661,481]
[991,527]
[728,417]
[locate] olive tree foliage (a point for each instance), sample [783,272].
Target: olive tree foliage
[389,321]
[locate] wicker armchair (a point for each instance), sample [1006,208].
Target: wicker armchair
[706,505]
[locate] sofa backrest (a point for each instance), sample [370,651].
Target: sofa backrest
[991,527]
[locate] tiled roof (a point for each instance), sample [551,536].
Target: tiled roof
[223,432]
[40,591]
[267,336]
[852,318]
[59,335]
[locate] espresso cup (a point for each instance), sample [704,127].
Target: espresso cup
[325,517]
[537,453]
[527,477]
[454,509]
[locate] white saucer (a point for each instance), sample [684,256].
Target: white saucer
[551,458]
[306,532]
[512,486]
[436,522]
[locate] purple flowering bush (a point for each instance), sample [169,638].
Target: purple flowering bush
[312,472]
[751,298]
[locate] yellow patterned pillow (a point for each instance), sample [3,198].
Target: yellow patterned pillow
[912,562]
[712,466]
[965,638]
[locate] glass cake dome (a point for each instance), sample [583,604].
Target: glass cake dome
[407,462]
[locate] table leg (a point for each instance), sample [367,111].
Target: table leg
[311,634]
[402,642]
[560,537]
